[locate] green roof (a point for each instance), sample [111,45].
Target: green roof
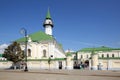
[36,37]
[68,54]
[48,14]
[103,48]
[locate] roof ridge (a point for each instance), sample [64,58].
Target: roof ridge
[99,49]
[37,36]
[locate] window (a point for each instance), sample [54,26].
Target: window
[75,57]
[81,56]
[113,55]
[107,55]
[44,53]
[87,56]
[29,52]
[102,55]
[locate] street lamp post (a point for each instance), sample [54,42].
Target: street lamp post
[49,60]
[24,31]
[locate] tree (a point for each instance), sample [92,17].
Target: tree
[14,53]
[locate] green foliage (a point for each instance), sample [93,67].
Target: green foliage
[14,53]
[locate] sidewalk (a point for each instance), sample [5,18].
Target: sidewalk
[59,75]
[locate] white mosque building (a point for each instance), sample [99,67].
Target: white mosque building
[43,50]
[43,47]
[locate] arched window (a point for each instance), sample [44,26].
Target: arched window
[102,55]
[87,56]
[29,52]
[81,56]
[113,55]
[107,55]
[44,53]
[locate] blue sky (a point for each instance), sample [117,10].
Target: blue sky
[77,23]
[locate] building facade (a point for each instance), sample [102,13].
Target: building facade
[103,58]
[43,51]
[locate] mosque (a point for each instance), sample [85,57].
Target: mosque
[44,52]
[43,47]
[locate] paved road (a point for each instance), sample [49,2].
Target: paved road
[59,75]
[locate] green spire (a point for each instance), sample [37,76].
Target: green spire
[48,14]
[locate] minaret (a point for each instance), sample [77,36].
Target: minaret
[48,25]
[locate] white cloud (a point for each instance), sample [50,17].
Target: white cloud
[2,47]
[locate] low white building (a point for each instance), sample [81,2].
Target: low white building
[105,58]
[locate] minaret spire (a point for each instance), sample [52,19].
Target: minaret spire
[48,14]
[48,24]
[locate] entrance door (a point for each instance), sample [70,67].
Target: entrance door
[86,63]
[75,65]
[60,64]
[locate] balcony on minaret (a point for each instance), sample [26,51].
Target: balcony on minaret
[48,22]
